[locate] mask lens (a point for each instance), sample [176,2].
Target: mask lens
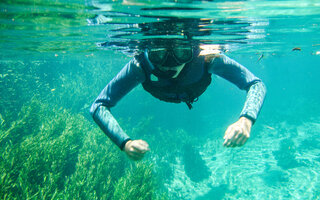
[157,55]
[183,54]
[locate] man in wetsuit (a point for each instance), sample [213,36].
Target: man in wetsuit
[176,71]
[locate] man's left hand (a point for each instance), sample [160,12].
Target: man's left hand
[238,133]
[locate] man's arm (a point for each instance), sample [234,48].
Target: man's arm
[234,72]
[238,133]
[128,78]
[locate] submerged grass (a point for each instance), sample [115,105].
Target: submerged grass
[49,153]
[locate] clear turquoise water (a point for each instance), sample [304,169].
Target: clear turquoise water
[60,43]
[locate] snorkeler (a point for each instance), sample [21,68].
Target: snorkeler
[177,71]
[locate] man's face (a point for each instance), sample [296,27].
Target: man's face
[172,71]
[171,54]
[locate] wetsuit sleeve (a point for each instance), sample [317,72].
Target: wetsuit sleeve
[232,71]
[128,78]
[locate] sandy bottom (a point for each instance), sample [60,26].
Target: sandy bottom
[281,162]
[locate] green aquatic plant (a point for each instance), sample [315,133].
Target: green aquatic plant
[27,124]
[63,156]
[15,87]
[1,121]
[53,81]
[99,166]
[137,183]
[35,156]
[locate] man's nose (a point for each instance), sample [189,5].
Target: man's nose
[170,61]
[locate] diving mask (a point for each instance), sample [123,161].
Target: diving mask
[170,56]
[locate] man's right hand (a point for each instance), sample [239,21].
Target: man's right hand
[135,149]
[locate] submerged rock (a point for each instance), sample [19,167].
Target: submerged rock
[216,193]
[285,156]
[194,165]
[273,177]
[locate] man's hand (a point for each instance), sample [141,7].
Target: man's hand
[135,149]
[238,133]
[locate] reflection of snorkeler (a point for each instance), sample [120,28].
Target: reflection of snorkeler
[176,71]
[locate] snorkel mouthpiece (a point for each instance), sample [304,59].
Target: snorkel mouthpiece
[169,73]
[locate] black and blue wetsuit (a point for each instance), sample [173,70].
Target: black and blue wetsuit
[196,74]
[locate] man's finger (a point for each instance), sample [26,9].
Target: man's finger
[226,139]
[244,141]
[135,152]
[143,144]
[227,132]
[225,142]
[139,149]
[235,135]
[230,133]
[232,137]
[239,139]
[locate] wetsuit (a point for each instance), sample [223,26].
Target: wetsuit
[133,74]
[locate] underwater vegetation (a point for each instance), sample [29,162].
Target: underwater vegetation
[52,81]
[49,153]
[18,84]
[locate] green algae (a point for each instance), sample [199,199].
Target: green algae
[49,153]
